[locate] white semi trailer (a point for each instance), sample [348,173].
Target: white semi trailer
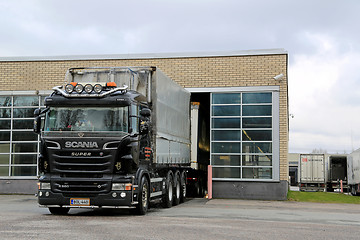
[353,172]
[312,172]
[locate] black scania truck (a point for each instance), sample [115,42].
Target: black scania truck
[113,138]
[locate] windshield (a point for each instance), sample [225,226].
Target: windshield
[90,119]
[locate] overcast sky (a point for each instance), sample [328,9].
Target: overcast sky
[322,38]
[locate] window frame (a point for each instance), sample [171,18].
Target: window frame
[40,97]
[275,140]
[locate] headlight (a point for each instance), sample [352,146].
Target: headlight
[88,88]
[69,88]
[79,88]
[121,186]
[98,88]
[44,186]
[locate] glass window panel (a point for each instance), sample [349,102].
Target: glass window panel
[261,122]
[226,110]
[26,100]
[5,124]
[256,147]
[24,147]
[42,100]
[257,110]
[226,172]
[24,136]
[4,171]
[4,158]
[226,98]
[226,122]
[226,135]
[24,112]
[135,121]
[224,147]
[23,171]
[257,160]
[87,119]
[4,147]
[5,101]
[257,98]
[257,135]
[23,159]
[4,136]
[5,113]
[229,160]
[23,124]
[257,173]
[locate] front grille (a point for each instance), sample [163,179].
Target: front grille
[89,162]
[81,172]
[83,187]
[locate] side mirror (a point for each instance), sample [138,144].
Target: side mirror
[37,124]
[37,112]
[145,112]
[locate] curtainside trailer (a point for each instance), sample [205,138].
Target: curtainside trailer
[114,137]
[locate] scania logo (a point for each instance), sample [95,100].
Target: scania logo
[81,145]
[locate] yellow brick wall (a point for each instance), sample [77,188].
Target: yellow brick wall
[221,71]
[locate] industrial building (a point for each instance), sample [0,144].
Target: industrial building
[243,95]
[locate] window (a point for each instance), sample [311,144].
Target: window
[244,136]
[18,143]
[89,119]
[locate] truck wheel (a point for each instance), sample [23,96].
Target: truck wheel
[59,210]
[183,186]
[143,197]
[167,200]
[177,188]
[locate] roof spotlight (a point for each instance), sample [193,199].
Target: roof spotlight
[69,88]
[88,88]
[97,88]
[79,88]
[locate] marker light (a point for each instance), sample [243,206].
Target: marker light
[79,88]
[97,88]
[88,88]
[69,88]
[111,84]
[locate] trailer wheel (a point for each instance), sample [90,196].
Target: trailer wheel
[143,197]
[59,210]
[353,191]
[183,186]
[167,200]
[177,188]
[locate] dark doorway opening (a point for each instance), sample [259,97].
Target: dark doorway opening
[200,148]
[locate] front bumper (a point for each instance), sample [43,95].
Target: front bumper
[113,199]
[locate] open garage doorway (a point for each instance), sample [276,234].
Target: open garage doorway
[200,144]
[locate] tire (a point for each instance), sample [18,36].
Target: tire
[183,187]
[143,197]
[177,188]
[168,197]
[59,210]
[353,190]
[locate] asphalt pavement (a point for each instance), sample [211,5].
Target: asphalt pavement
[21,218]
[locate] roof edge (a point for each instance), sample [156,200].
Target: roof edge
[275,51]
